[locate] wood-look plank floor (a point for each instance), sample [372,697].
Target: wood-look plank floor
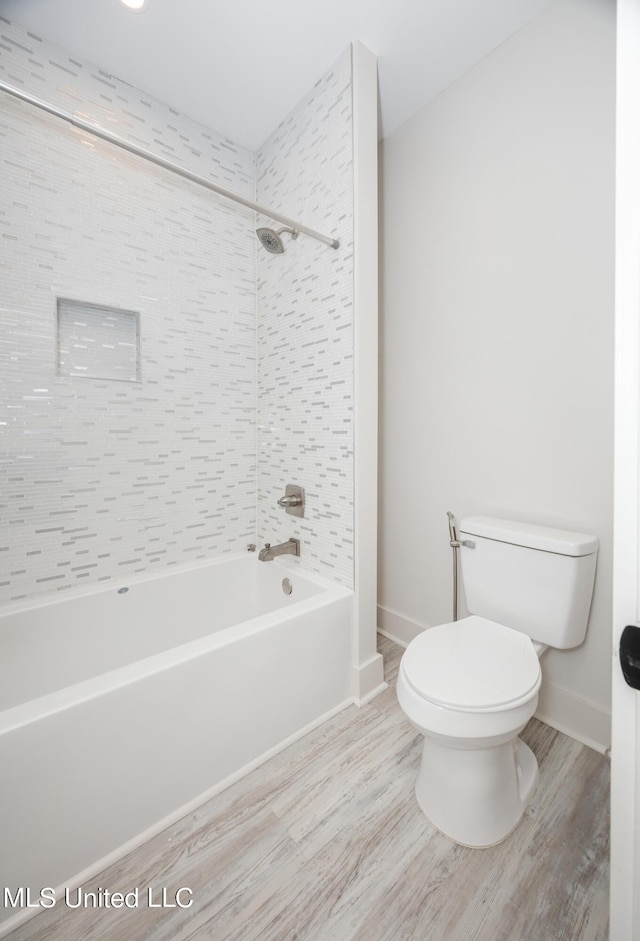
[325,842]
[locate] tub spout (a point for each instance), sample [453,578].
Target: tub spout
[290,547]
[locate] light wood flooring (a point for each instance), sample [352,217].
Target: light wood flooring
[326,843]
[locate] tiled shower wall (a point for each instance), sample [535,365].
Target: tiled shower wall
[100,479]
[305,329]
[103,479]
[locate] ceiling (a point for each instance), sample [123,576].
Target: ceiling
[240,66]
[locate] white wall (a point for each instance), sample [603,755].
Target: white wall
[497,326]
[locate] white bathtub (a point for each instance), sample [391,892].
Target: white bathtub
[123,710]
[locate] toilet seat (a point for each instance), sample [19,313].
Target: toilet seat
[473,665]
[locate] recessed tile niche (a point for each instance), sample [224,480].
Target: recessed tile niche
[97,342]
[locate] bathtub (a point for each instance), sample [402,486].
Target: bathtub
[124,708]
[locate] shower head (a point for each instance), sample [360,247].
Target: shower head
[272,241]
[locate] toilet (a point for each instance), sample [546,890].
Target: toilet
[471,686]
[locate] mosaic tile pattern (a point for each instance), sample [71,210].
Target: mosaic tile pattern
[100,478]
[305,330]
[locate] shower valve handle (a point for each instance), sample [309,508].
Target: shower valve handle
[293,500]
[290,501]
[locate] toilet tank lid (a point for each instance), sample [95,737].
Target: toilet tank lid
[560,541]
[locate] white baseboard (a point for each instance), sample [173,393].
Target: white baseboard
[396,627]
[371,695]
[585,721]
[581,719]
[368,680]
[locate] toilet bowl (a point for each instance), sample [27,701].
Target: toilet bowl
[471,686]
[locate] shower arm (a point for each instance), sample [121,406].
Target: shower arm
[165,164]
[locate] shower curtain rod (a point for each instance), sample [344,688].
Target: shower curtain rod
[165,164]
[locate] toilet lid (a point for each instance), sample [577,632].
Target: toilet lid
[472,664]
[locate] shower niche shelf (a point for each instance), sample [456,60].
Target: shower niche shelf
[97,342]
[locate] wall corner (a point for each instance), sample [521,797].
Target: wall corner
[366,661]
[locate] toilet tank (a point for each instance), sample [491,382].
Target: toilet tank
[536,580]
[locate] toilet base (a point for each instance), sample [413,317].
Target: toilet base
[476,796]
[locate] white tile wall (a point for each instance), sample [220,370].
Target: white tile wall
[305,329]
[100,478]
